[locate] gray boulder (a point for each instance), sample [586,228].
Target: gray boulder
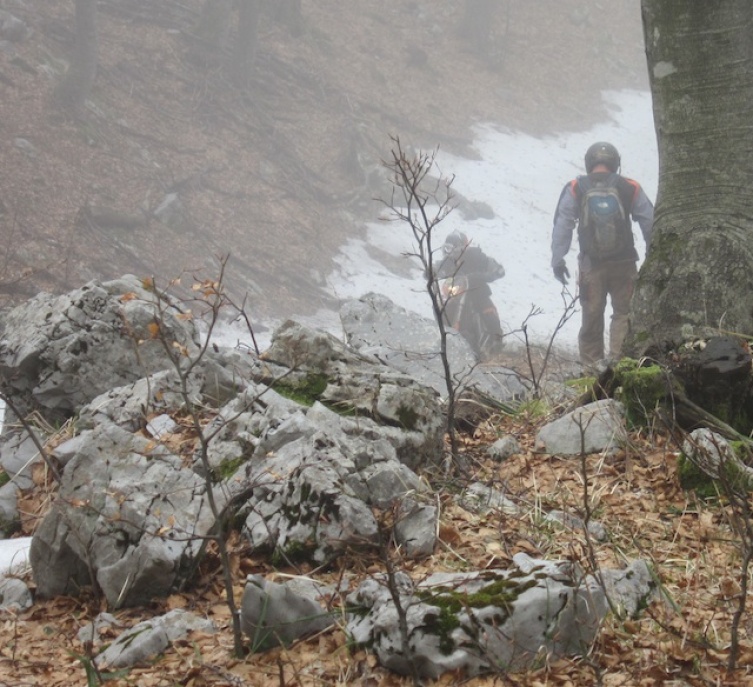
[57,353]
[596,427]
[276,614]
[127,514]
[575,524]
[503,448]
[14,595]
[91,632]
[496,619]
[146,640]
[482,498]
[416,528]
[377,327]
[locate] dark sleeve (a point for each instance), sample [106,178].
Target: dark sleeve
[445,269]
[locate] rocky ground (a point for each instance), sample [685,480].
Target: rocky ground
[681,639]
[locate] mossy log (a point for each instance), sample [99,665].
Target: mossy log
[707,384]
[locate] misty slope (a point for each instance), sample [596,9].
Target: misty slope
[280,175]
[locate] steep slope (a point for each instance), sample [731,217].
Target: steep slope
[279,175]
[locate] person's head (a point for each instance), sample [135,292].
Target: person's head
[602,153]
[455,243]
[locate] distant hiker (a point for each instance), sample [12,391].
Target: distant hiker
[601,203]
[468,304]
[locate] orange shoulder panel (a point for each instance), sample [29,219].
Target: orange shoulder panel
[636,187]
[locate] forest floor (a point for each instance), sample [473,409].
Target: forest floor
[682,638]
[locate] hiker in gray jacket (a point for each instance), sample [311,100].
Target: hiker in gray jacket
[603,205]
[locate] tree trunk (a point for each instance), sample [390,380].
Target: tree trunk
[289,13]
[699,269]
[246,42]
[75,88]
[476,24]
[213,31]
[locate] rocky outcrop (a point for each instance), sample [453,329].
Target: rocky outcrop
[376,326]
[495,619]
[57,353]
[306,448]
[306,442]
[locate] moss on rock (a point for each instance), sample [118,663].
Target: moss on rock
[499,593]
[407,416]
[641,388]
[305,391]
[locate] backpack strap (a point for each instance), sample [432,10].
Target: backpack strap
[636,188]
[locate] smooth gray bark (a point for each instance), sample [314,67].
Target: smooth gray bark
[698,276]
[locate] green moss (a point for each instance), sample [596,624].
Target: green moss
[500,593]
[294,552]
[693,479]
[306,391]
[641,389]
[581,384]
[731,412]
[229,467]
[533,408]
[4,478]
[306,491]
[9,527]
[732,478]
[442,625]
[341,408]
[407,416]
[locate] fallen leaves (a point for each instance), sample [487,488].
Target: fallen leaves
[682,638]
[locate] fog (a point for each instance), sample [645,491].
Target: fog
[520,178]
[177,157]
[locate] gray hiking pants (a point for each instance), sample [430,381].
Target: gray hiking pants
[615,280]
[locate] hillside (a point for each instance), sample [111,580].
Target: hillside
[279,175]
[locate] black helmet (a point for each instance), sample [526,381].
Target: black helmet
[456,242]
[602,153]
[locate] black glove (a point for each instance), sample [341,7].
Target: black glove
[561,272]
